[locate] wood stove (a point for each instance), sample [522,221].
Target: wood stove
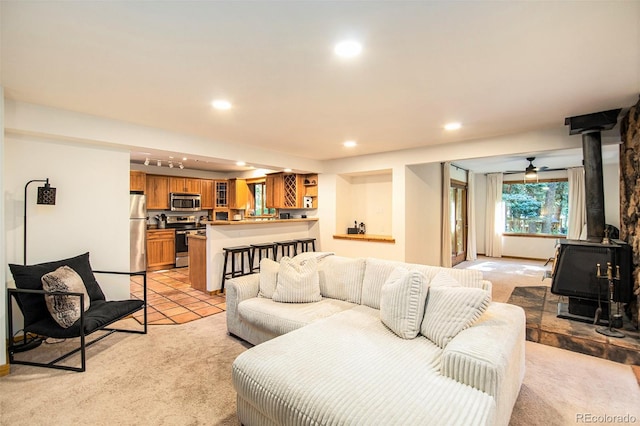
[575,268]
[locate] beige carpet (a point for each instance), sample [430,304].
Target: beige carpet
[181,375]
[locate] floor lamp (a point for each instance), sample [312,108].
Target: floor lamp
[46,195]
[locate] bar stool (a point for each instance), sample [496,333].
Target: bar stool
[304,244]
[233,252]
[286,248]
[262,250]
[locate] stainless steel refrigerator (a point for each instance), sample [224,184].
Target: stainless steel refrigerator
[138,232]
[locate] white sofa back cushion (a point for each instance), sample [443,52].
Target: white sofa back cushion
[341,278]
[402,302]
[297,283]
[378,270]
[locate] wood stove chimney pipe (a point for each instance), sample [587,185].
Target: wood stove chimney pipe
[590,126]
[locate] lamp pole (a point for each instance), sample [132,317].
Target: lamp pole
[24,258]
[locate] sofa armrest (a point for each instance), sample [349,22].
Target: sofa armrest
[489,356]
[236,290]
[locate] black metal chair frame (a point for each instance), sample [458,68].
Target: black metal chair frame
[13,292]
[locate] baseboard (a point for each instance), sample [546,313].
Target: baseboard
[4,370]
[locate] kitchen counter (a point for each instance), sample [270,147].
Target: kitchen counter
[222,233]
[256,221]
[197,236]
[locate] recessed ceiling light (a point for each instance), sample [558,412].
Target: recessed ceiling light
[348,49]
[221,104]
[287,170]
[349,144]
[241,163]
[184,158]
[452,126]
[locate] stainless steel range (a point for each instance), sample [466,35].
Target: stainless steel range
[184,226]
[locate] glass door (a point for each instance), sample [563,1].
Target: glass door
[458,211]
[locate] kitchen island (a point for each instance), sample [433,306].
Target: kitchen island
[222,233]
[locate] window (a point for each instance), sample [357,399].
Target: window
[259,192]
[539,208]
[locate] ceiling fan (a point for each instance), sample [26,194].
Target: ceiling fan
[531,172]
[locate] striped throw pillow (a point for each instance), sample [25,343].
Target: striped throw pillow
[450,310]
[297,283]
[402,302]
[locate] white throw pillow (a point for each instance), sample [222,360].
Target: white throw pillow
[268,277]
[402,302]
[443,279]
[297,283]
[65,310]
[450,310]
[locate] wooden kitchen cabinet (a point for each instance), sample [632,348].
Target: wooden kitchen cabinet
[207,196]
[185,185]
[238,194]
[221,194]
[310,183]
[157,191]
[161,249]
[137,181]
[284,190]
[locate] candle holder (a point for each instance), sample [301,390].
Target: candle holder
[611,279]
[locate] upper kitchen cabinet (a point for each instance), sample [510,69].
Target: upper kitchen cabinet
[185,185]
[157,191]
[137,181]
[221,194]
[238,194]
[285,191]
[207,196]
[310,199]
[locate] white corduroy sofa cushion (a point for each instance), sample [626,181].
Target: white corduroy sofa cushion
[341,278]
[297,283]
[279,318]
[351,369]
[450,310]
[402,303]
[377,271]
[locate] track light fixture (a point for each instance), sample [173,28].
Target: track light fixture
[181,166]
[146,161]
[159,164]
[170,165]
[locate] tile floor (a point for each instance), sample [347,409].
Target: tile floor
[171,300]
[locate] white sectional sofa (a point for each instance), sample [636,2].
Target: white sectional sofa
[341,360]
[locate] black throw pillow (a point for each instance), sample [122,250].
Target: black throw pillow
[29,277]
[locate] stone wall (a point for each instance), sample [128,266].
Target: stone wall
[630,193]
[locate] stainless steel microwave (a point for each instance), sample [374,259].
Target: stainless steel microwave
[180,202]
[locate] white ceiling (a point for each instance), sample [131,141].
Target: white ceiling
[498,67]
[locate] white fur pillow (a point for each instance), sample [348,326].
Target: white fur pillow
[297,283]
[442,279]
[402,302]
[65,310]
[450,310]
[268,277]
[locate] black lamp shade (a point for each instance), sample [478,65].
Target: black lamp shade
[46,195]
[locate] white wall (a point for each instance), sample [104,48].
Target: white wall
[3,293]
[366,199]
[91,212]
[423,214]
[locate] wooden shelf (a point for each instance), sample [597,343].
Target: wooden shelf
[366,237]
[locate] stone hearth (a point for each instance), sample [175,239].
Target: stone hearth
[543,326]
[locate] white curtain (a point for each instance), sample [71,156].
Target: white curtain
[495,216]
[445,260]
[472,251]
[577,203]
